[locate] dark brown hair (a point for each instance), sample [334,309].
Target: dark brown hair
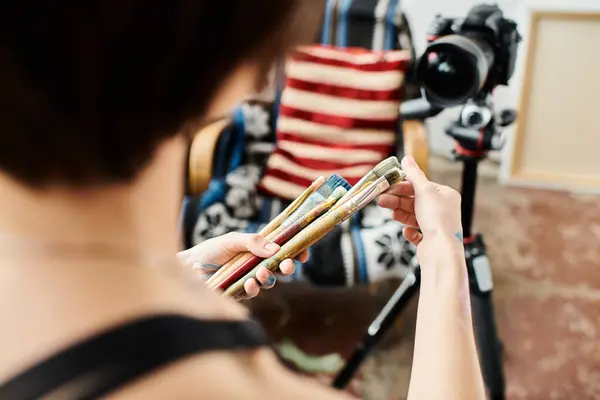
[90,88]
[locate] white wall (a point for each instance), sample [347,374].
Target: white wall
[420,14]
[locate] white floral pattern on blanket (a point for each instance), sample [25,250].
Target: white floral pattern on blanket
[256,120]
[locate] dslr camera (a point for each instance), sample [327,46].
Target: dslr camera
[467,56]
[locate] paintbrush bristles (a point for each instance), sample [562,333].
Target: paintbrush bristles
[377,172]
[338,193]
[394,176]
[331,184]
[316,186]
[386,165]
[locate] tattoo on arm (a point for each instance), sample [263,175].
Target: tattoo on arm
[207,269]
[459,236]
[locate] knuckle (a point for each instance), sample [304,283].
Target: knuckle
[256,240]
[231,235]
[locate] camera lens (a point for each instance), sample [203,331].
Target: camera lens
[449,73]
[474,119]
[453,69]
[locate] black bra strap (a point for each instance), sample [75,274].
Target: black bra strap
[116,357]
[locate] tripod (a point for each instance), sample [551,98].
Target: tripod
[475,133]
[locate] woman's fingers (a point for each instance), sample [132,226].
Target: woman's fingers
[256,244]
[287,267]
[412,235]
[302,257]
[265,278]
[402,189]
[405,218]
[251,288]
[395,202]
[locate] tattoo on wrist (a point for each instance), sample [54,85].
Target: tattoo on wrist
[206,266]
[459,236]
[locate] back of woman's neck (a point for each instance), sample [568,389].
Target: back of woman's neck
[125,216]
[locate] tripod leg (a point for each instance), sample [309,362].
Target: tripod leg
[379,327]
[486,334]
[488,343]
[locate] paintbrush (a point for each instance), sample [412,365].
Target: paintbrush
[331,184]
[321,227]
[304,203]
[334,181]
[377,172]
[286,235]
[271,226]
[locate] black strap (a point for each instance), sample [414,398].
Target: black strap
[112,359]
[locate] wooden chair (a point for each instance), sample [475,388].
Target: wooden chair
[204,156]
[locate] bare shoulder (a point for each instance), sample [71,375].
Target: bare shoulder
[227,375]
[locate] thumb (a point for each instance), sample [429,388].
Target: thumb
[414,174]
[256,244]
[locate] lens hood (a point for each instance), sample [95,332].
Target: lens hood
[453,69]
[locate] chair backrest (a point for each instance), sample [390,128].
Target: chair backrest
[370,24]
[339,113]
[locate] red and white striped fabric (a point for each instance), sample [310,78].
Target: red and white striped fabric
[339,114]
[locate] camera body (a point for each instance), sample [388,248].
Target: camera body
[468,55]
[485,23]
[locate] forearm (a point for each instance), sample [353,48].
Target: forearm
[445,363]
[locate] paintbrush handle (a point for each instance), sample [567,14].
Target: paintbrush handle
[222,270]
[269,228]
[283,237]
[248,265]
[268,232]
[240,258]
[217,277]
[289,210]
[271,264]
[236,263]
[296,245]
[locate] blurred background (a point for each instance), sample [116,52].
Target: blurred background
[537,204]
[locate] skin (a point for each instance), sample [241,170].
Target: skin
[445,362]
[49,302]
[207,257]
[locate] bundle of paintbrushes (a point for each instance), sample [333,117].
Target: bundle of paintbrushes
[315,213]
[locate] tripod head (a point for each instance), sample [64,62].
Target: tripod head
[477,130]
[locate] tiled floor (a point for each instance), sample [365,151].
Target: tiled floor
[545,252]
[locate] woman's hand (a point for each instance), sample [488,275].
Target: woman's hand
[430,211]
[210,255]
[444,336]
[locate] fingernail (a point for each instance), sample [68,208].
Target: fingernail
[271,247]
[271,281]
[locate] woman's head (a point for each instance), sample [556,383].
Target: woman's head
[92,88]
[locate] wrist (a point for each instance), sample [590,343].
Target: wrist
[442,259]
[449,245]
